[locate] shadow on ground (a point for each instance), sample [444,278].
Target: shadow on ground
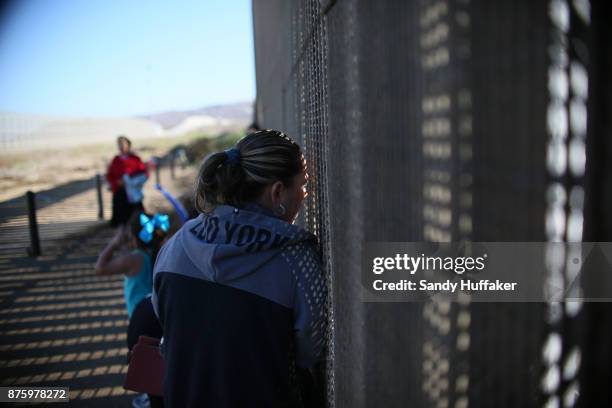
[60,325]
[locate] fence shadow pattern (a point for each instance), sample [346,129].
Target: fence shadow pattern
[60,325]
[441,120]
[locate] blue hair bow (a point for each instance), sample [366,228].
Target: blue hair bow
[150,224]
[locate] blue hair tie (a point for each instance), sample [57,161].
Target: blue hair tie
[233,156]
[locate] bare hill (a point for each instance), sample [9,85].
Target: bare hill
[241,112]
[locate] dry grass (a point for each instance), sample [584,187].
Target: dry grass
[42,169]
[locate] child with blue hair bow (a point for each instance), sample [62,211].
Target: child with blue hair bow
[132,252]
[143,240]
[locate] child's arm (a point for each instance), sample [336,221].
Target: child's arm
[127,264]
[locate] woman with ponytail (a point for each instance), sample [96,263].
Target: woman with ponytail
[239,290]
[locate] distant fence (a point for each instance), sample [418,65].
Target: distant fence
[38,218]
[440,120]
[37,221]
[35,247]
[20,131]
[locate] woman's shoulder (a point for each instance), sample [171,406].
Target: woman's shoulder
[305,239]
[134,156]
[302,252]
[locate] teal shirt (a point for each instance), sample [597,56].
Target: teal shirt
[139,286]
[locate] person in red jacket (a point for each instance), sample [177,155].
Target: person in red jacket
[125,163]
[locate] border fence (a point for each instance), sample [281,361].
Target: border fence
[441,120]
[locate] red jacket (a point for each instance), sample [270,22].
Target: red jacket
[129,164]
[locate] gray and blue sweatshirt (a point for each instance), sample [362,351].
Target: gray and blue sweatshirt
[238,293]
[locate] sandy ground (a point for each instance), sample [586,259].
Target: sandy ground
[39,169]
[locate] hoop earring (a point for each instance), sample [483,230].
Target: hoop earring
[280,211]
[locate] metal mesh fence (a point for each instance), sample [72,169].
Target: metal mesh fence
[439,120]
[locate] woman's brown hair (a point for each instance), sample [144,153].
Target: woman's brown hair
[238,175]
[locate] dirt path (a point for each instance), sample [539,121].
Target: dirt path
[60,325]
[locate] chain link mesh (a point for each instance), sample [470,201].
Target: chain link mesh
[429,121]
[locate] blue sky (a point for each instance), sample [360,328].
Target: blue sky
[124,57]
